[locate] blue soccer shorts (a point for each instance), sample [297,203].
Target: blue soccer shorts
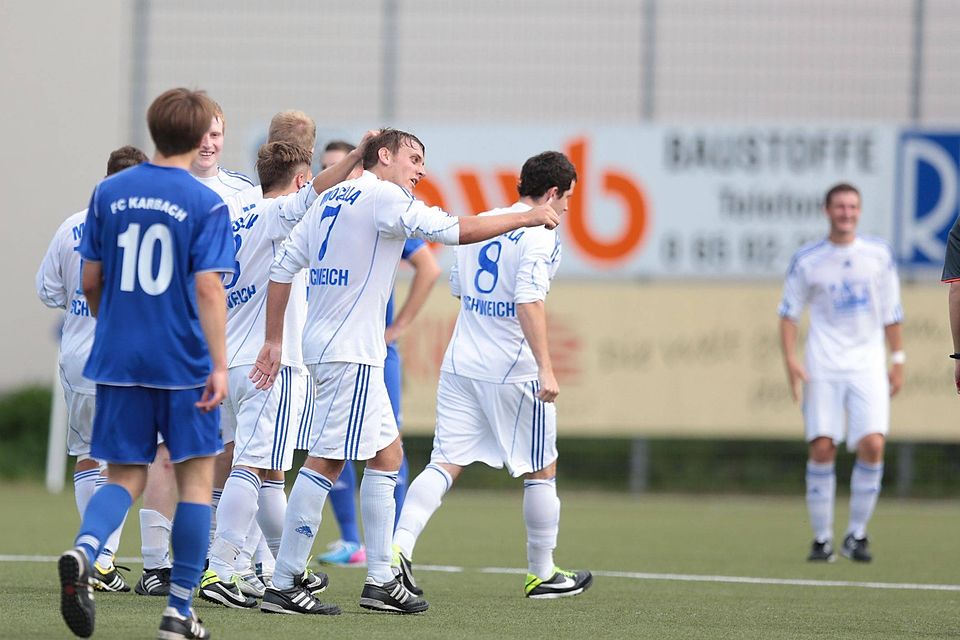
[128,419]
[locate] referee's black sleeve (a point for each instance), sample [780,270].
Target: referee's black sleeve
[951,263]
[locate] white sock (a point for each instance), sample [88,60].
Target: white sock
[84,484]
[244,563]
[424,496]
[864,491]
[377,507]
[237,513]
[214,504]
[264,557]
[821,493]
[541,514]
[304,513]
[155,539]
[273,508]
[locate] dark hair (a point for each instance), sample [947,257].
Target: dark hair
[546,170]
[842,187]
[277,163]
[178,120]
[124,158]
[339,145]
[390,139]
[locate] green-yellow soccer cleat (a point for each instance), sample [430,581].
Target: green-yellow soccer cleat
[560,585]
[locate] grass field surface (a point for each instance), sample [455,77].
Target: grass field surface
[666,567]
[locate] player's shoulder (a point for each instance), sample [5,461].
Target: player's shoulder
[877,246]
[74,219]
[808,253]
[234,179]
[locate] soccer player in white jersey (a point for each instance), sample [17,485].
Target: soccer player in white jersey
[497,386]
[59,287]
[206,168]
[351,241]
[850,284]
[348,550]
[259,422]
[159,496]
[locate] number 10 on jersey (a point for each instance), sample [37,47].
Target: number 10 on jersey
[137,261]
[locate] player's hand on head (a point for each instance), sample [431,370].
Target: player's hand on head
[365,140]
[267,366]
[549,389]
[214,392]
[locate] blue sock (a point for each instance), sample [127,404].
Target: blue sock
[343,499]
[400,492]
[105,511]
[191,529]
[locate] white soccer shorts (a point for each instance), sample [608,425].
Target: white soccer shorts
[861,401]
[80,408]
[494,424]
[262,424]
[352,418]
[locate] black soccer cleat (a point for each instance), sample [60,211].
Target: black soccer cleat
[404,570]
[295,601]
[313,581]
[856,549]
[213,589]
[821,552]
[109,580]
[560,585]
[390,597]
[76,592]
[174,626]
[154,582]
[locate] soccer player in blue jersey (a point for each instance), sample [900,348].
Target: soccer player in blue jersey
[348,550]
[58,286]
[155,245]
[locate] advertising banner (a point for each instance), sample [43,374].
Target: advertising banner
[681,360]
[700,202]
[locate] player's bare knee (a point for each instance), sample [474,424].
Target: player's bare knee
[870,448]
[549,472]
[327,467]
[86,464]
[132,477]
[389,458]
[823,450]
[276,475]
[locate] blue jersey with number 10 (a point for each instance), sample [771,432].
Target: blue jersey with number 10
[153,229]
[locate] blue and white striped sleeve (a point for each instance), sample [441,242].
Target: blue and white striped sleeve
[794,292]
[294,254]
[400,215]
[891,308]
[50,286]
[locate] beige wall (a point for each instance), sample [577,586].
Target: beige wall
[64,108]
[687,360]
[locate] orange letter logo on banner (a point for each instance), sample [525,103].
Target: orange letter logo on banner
[635,212]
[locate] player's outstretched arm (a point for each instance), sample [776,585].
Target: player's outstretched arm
[533,322]
[895,343]
[92,280]
[796,374]
[425,274]
[212,308]
[267,366]
[337,173]
[480,228]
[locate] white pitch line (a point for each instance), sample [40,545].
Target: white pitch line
[631,575]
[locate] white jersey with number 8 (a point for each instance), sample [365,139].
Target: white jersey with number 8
[491,278]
